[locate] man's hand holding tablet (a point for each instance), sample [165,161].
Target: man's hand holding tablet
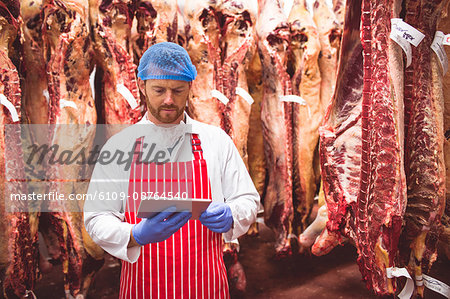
[159,227]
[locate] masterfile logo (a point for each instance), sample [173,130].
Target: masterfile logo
[46,164]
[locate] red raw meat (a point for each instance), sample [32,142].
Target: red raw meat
[273,41]
[382,197]
[18,244]
[340,138]
[424,143]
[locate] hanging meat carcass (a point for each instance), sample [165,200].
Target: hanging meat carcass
[330,32]
[424,157]
[18,245]
[276,116]
[181,32]
[165,24]
[255,143]
[203,48]
[237,280]
[362,145]
[118,98]
[118,15]
[339,10]
[35,91]
[67,49]
[142,36]
[444,240]
[309,236]
[340,138]
[303,67]
[36,104]
[382,195]
[330,38]
[157,21]
[237,45]
[68,52]
[221,44]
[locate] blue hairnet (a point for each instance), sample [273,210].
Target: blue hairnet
[166,61]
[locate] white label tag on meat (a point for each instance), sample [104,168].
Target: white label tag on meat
[126,93]
[438,48]
[64,103]
[245,95]
[92,81]
[295,99]
[220,96]
[46,95]
[436,285]
[405,46]
[446,41]
[419,280]
[260,220]
[5,102]
[28,293]
[408,289]
[406,31]
[396,36]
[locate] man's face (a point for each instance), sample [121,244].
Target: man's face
[165,99]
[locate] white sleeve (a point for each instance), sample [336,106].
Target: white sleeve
[239,191]
[103,211]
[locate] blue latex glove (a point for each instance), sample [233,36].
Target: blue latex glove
[217,217]
[160,227]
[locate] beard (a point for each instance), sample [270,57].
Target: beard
[158,113]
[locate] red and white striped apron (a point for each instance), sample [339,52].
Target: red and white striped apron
[190,263]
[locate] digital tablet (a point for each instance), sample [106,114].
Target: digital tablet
[152,206]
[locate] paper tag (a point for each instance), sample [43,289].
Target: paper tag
[220,96]
[446,41]
[405,46]
[419,280]
[295,99]
[436,285]
[245,95]
[46,95]
[126,93]
[92,81]
[438,48]
[260,220]
[396,36]
[28,293]
[68,295]
[408,289]
[406,31]
[235,242]
[64,103]
[5,102]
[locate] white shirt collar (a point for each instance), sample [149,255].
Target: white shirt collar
[187,120]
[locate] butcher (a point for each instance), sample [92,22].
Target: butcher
[169,254]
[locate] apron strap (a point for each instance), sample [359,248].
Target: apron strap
[196,147]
